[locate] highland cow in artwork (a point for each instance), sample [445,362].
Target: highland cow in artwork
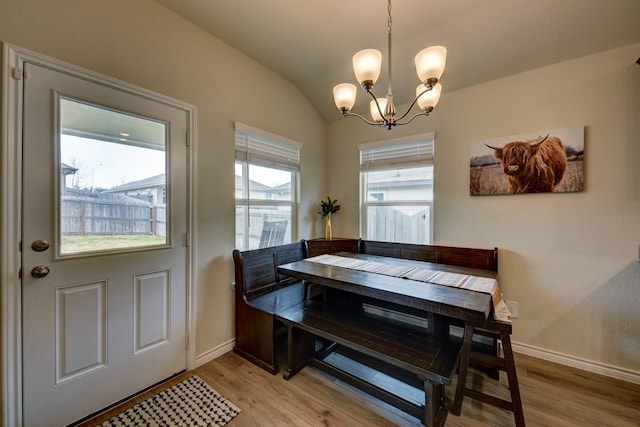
[535,166]
[528,163]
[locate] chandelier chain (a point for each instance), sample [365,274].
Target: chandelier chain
[389,91]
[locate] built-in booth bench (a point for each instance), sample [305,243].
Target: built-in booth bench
[327,328]
[260,292]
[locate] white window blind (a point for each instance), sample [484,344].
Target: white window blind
[416,150]
[262,148]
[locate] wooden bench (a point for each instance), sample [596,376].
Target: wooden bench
[259,293]
[483,259]
[407,353]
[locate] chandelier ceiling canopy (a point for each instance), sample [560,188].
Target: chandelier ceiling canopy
[367,64]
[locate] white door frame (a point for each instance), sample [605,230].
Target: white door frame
[13,59]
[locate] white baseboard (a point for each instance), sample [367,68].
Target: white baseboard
[576,362]
[215,352]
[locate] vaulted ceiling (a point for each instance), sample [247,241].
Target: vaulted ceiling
[311,43]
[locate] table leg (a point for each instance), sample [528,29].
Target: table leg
[463,367]
[439,325]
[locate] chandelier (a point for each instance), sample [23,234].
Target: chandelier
[366,66]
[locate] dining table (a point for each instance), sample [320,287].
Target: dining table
[445,296]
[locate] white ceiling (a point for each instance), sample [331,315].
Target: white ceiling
[311,43]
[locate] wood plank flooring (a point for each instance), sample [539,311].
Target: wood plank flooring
[553,395]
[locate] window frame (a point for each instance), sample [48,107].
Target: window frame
[389,155]
[281,157]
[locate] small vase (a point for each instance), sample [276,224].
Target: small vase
[327,227]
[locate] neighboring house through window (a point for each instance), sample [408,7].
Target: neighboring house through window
[152,190]
[266,175]
[397,189]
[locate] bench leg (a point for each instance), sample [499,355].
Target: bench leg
[435,413]
[300,343]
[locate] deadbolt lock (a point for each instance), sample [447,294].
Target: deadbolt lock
[40,245]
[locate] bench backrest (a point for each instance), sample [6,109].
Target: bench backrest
[486,259]
[316,247]
[256,270]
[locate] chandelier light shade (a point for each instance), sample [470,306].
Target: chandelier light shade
[367,63]
[366,66]
[428,100]
[344,96]
[430,63]
[373,108]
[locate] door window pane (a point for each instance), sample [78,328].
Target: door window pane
[113,180]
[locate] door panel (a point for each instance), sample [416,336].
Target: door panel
[102,319]
[151,310]
[81,326]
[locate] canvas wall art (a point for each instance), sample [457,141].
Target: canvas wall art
[540,162]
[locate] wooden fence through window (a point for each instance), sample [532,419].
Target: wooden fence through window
[87,215]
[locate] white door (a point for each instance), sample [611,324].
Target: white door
[104,267]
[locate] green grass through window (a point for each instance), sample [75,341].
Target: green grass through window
[76,244]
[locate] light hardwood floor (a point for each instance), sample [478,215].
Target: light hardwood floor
[553,395]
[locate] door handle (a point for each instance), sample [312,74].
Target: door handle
[40,271]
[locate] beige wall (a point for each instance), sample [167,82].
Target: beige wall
[568,259]
[145,44]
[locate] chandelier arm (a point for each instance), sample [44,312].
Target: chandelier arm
[423,113]
[362,118]
[384,119]
[410,107]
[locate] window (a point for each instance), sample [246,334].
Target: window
[110,161]
[397,189]
[266,174]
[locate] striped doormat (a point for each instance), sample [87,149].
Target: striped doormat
[191,402]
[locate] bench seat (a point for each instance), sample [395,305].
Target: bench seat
[279,299]
[404,348]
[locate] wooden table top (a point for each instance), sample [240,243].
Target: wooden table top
[449,301]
